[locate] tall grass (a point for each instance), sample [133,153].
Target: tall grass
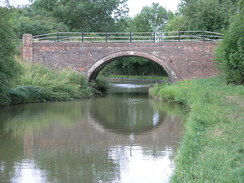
[38,83]
[212,149]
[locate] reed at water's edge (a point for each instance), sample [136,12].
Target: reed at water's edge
[212,149]
[37,83]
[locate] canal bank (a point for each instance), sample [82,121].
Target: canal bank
[212,149]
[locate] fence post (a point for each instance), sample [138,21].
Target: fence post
[106,37]
[82,37]
[154,37]
[57,36]
[130,36]
[179,36]
[203,35]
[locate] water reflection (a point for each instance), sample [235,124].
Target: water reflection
[126,113]
[122,138]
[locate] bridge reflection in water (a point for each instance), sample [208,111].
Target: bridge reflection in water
[120,138]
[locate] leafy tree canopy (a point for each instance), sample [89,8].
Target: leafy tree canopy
[84,15]
[8,67]
[28,21]
[151,19]
[230,53]
[211,15]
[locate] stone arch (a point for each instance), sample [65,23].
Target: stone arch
[99,64]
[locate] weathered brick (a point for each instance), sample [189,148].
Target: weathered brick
[181,60]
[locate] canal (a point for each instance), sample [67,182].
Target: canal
[125,137]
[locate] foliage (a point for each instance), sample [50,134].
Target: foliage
[178,23]
[100,86]
[212,147]
[28,21]
[26,94]
[133,66]
[38,83]
[46,16]
[211,15]
[230,53]
[97,16]
[9,69]
[151,19]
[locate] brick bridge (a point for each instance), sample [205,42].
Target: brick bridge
[180,59]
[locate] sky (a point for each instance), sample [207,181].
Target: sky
[135,6]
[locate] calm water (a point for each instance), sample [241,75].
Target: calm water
[124,137]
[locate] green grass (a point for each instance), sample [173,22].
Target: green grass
[212,149]
[37,83]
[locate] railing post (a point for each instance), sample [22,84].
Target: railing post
[179,36]
[82,37]
[57,36]
[106,37]
[154,37]
[203,35]
[130,37]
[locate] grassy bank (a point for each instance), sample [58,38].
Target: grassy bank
[37,83]
[212,149]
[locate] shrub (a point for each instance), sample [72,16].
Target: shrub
[9,68]
[38,83]
[100,86]
[230,53]
[25,94]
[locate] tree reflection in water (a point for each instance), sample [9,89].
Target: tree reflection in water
[118,138]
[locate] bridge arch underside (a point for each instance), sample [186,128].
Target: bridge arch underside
[100,64]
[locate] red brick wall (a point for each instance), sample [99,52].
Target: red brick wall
[181,60]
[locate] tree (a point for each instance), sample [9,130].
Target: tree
[28,21]
[134,66]
[8,67]
[84,15]
[151,19]
[211,15]
[230,53]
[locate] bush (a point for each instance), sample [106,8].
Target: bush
[38,83]
[9,68]
[100,86]
[25,94]
[230,53]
